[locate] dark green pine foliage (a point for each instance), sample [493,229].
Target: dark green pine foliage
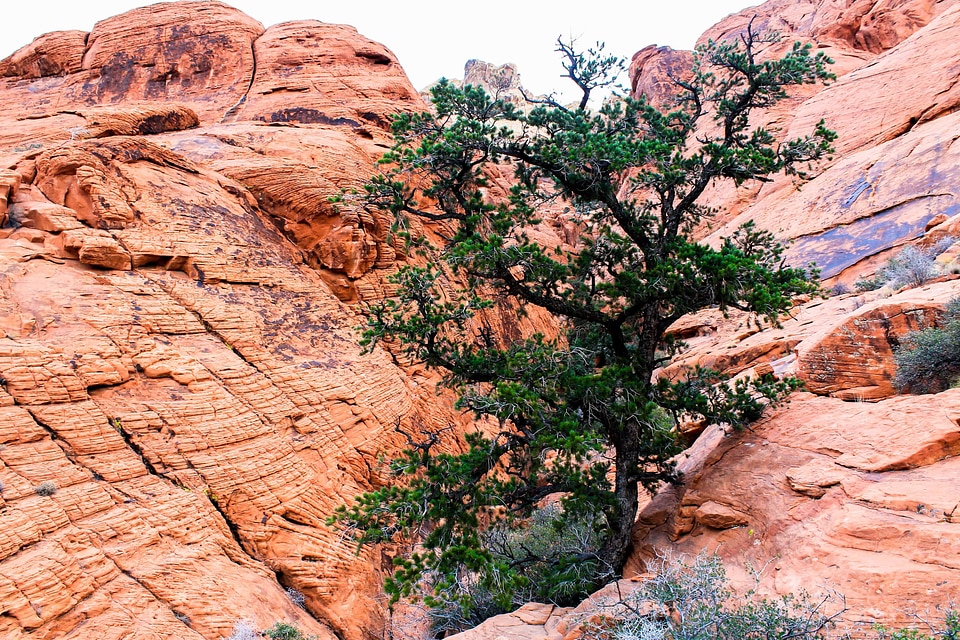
[577,417]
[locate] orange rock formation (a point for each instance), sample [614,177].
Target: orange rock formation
[183,401]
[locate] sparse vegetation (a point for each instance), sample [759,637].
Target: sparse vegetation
[284,631]
[46,488]
[928,361]
[948,630]
[244,630]
[296,597]
[839,289]
[556,557]
[692,601]
[912,267]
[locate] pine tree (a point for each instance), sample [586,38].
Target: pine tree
[580,416]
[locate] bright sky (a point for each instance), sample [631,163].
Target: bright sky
[434,38]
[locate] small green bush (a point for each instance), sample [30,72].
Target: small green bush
[552,558]
[284,631]
[46,488]
[928,361]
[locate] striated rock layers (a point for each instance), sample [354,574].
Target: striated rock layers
[893,106]
[182,397]
[832,491]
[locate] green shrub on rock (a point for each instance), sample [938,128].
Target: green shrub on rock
[928,361]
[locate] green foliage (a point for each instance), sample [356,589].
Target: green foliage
[577,415]
[928,361]
[949,631]
[557,554]
[693,602]
[284,631]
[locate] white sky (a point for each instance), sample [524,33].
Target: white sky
[434,38]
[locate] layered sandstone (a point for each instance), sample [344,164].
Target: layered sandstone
[174,360]
[894,114]
[849,487]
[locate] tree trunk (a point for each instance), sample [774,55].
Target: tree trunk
[618,545]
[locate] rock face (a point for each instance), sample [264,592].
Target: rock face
[183,401]
[500,80]
[859,206]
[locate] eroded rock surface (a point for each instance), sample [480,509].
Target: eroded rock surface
[179,356]
[849,487]
[183,398]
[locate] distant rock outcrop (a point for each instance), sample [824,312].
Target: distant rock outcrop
[502,81]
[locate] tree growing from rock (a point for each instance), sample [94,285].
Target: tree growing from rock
[580,416]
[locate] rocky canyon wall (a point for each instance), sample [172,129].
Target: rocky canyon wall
[183,397]
[183,400]
[849,488]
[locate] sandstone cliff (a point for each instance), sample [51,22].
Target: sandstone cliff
[177,365]
[183,400]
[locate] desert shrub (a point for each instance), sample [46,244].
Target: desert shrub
[839,289]
[46,488]
[869,284]
[928,361]
[554,558]
[244,630]
[948,630]
[296,597]
[911,267]
[692,601]
[284,631]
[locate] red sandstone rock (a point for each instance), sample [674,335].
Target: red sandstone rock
[176,358]
[316,73]
[54,54]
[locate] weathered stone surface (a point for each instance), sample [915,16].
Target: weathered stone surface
[175,355]
[9,183]
[653,70]
[196,53]
[814,478]
[860,206]
[859,24]
[719,516]
[192,386]
[53,54]
[315,73]
[135,120]
[856,353]
[842,494]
